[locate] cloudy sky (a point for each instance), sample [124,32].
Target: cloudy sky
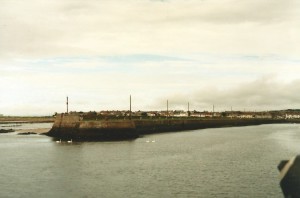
[227,53]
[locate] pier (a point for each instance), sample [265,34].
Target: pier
[70,126]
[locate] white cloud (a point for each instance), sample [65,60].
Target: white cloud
[266,93]
[52,28]
[99,52]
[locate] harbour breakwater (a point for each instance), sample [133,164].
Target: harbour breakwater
[73,127]
[68,126]
[159,126]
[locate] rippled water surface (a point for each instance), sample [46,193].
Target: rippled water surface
[224,162]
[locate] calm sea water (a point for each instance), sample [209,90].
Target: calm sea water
[224,162]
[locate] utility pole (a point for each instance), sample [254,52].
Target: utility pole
[167,108]
[130,108]
[67,104]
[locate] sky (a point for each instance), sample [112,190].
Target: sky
[243,55]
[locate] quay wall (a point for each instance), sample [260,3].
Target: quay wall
[72,126]
[159,126]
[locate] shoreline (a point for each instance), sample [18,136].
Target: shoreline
[93,129]
[20,119]
[39,131]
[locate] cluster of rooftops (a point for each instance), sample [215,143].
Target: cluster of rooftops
[280,114]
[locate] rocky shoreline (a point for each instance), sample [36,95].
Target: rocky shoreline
[6,130]
[27,133]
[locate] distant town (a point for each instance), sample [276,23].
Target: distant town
[119,114]
[174,114]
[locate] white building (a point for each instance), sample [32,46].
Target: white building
[292,116]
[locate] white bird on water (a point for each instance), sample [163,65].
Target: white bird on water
[58,141]
[70,141]
[148,141]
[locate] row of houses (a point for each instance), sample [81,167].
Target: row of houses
[195,114]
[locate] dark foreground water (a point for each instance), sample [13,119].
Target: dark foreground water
[225,162]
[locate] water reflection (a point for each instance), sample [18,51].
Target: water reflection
[228,162]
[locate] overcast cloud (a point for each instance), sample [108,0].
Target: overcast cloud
[243,54]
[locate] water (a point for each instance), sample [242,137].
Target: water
[224,162]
